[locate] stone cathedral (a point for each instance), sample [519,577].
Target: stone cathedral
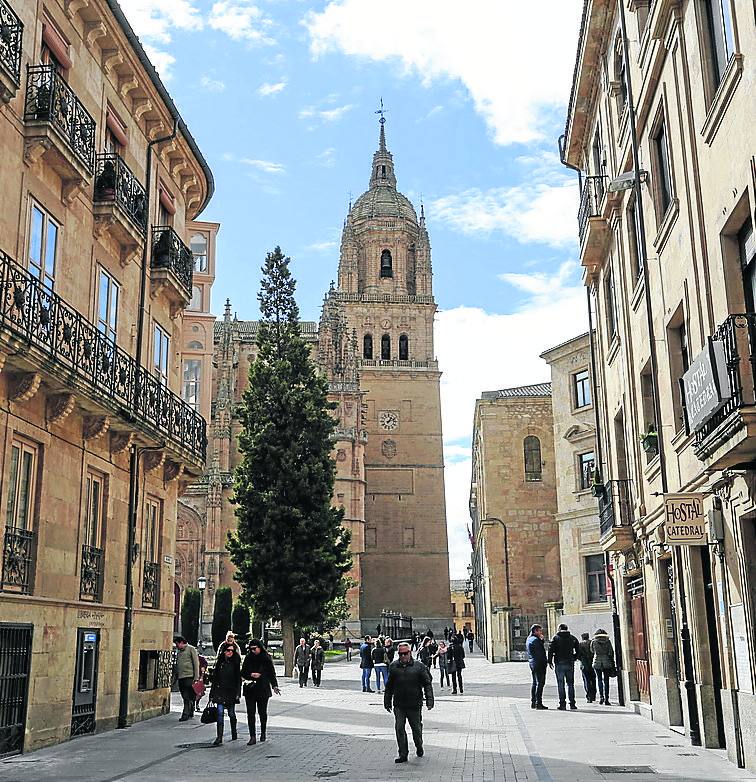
[374,343]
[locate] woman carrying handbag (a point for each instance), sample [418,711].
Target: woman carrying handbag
[226,688]
[259,684]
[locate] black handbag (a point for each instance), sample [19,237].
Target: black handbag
[209,714]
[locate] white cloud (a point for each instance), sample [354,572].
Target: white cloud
[327,158]
[515,58]
[212,85]
[321,247]
[153,19]
[325,115]
[266,166]
[482,351]
[161,60]
[271,88]
[241,20]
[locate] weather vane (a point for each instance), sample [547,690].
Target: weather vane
[382,111]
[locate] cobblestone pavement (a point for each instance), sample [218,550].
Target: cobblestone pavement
[336,732]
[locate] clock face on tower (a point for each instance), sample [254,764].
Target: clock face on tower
[388,419]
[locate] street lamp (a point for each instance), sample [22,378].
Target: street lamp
[201,584]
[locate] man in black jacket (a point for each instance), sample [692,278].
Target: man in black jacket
[408,681]
[564,649]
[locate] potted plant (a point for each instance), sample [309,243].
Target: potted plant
[597,485]
[650,440]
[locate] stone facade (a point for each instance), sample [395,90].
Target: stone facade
[584,606]
[91,422]
[684,82]
[463,610]
[515,536]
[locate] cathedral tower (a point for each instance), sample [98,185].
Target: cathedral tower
[385,290]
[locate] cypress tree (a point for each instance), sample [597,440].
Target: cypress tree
[221,615]
[190,615]
[290,549]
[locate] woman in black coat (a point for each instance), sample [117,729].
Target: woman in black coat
[456,662]
[226,688]
[260,683]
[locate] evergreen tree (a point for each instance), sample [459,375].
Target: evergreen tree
[190,615]
[221,615]
[289,548]
[240,620]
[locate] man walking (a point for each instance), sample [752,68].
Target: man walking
[470,639]
[348,648]
[366,663]
[408,681]
[187,670]
[302,661]
[585,655]
[564,651]
[536,650]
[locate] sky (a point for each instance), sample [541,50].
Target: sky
[281,96]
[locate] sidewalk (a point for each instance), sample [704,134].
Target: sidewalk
[488,734]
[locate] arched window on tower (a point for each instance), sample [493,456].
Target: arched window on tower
[387,264]
[385,348]
[367,346]
[403,348]
[532,448]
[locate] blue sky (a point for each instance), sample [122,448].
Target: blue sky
[281,95]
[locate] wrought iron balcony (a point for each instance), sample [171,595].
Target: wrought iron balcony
[172,263]
[151,585]
[86,359]
[615,507]
[18,561]
[115,183]
[92,563]
[591,197]
[50,100]
[11,34]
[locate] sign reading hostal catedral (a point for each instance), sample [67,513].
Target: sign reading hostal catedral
[705,386]
[684,521]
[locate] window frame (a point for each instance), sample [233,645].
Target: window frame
[40,269]
[532,476]
[584,475]
[24,448]
[599,575]
[201,269]
[720,38]
[104,324]
[386,270]
[403,347]
[93,530]
[610,303]
[661,167]
[151,534]
[367,347]
[386,347]
[195,382]
[161,350]
[579,383]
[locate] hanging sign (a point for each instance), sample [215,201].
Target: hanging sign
[684,520]
[705,386]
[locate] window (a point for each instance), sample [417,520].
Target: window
[148,669]
[94,509]
[164,216]
[721,36]
[620,76]
[403,348]
[191,384]
[467,609]
[595,575]
[386,348]
[611,312]
[648,422]
[112,144]
[387,265]
[198,246]
[195,305]
[151,549]
[454,609]
[679,361]
[632,239]
[22,480]
[586,466]
[367,346]
[160,348]
[747,254]
[108,291]
[582,388]
[532,449]
[43,245]
[662,170]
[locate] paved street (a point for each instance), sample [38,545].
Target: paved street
[489,733]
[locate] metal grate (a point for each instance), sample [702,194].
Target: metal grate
[624,769]
[15,658]
[83,720]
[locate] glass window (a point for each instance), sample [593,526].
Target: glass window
[94,510]
[160,349]
[532,449]
[747,255]
[595,574]
[586,465]
[22,475]
[195,305]
[632,237]
[151,530]
[663,168]
[43,245]
[367,346]
[403,348]
[721,36]
[387,265]
[611,312]
[386,348]
[582,385]
[198,246]
[107,305]
[191,385]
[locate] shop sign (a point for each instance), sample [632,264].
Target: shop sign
[684,520]
[705,386]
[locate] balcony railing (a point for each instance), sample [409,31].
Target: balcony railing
[50,99]
[115,183]
[11,33]
[615,506]
[738,333]
[151,585]
[591,197]
[18,561]
[169,252]
[35,314]
[92,562]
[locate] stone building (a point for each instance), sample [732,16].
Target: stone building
[670,262]
[584,606]
[515,536]
[100,177]
[374,343]
[463,611]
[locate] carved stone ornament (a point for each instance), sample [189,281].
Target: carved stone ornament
[59,407]
[95,426]
[121,441]
[153,460]
[172,471]
[388,448]
[24,387]
[340,455]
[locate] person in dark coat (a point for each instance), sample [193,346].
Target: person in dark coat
[443,662]
[603,663]
[470,639]
[536,650]
[425,655]
[456,663]
[226,688]
[317,660]
[260,682]
[302,661]
[563,650]
[348,648]
[390,650]
[366,663]
[408,682]
[585,656]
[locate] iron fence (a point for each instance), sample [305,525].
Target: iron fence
[151,585]
[115,183]
[169,252]
[11,35]
[15,661]
[591,196]
[615,506]
[50,99]
[18,561]
[92,564]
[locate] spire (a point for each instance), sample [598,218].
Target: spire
[227,311]
[382,173]
[382,137]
